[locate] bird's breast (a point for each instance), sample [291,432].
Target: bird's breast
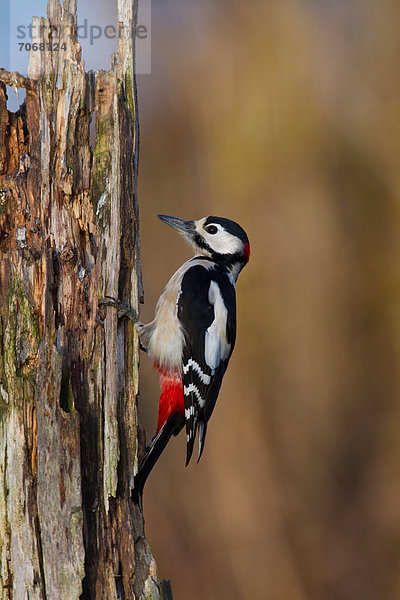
[166,335]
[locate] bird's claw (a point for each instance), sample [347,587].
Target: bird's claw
[100,321]
[125,309]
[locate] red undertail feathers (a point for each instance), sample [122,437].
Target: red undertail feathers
[171,399]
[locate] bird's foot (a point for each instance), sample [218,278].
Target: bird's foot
[125,309]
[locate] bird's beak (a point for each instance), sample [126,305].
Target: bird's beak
[185,227]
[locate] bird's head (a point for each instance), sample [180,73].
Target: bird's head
[221,239]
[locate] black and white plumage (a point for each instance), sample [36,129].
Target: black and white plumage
[207,312]
[192,335]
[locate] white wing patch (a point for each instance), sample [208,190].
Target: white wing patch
[192,388]
[212,347]
[189,412]
[164,336]
[216,344]
[206,379]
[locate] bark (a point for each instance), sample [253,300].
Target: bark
[68,384]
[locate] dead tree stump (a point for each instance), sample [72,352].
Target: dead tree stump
[68,384]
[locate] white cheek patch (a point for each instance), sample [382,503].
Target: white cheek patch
[217,347]
[222,241]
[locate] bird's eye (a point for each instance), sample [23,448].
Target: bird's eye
[211,229]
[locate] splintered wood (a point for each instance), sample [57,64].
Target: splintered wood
[68,382]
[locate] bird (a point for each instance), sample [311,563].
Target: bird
[192,336]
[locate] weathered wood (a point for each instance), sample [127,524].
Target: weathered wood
[68,236]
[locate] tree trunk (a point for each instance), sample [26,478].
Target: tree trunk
[68,384]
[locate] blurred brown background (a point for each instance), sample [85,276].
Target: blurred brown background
[284,116]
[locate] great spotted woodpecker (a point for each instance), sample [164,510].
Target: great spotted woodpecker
[192,335]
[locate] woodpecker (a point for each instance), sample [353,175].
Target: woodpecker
[191,338]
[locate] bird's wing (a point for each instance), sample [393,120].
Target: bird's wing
[208,319]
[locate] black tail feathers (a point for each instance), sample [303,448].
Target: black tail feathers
[172,426]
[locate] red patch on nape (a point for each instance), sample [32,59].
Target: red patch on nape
[247,251]
[171,399]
